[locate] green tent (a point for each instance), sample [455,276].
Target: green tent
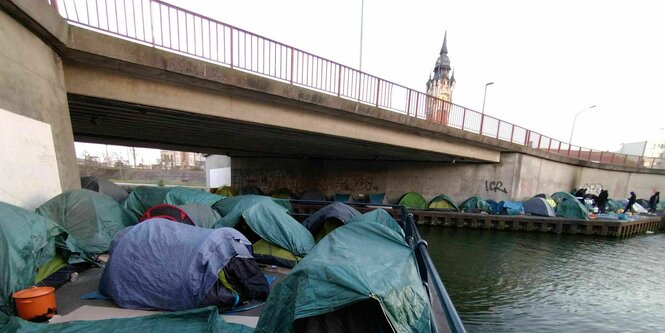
[27,241]
[283,193]
[186,196]
[90,219]
[194,321]
[560,197]
[442,202]
[142,198]
[572,209]
[360,276]
[413,200]
[475,204]
[226,191]
[269,220]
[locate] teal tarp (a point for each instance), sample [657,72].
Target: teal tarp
[27,241]
[475,204]
[353,263]
[194,321]
[90,219]
[142,198]
[267,219]
[381,217]
[186,196]
[572,209]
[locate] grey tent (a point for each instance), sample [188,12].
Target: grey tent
[104,186]
[328,218]
[539,207]
[158,264]
[202,215]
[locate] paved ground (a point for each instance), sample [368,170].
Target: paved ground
[71,307]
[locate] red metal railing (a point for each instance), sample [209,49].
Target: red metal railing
[169,27]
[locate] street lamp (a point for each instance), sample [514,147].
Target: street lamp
[485,95]
[570,141]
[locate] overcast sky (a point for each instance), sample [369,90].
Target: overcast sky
[548,59]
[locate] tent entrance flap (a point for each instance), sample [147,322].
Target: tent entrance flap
[363,316]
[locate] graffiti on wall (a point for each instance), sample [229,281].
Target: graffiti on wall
[269,181]
[347,184]
[592,188]
[495,186]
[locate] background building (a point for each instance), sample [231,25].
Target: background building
[170,159]
[441,85]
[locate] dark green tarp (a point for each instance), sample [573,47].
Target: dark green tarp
[142,198]
[185,196]
[27,241]
[354,263]
[90,219]
[268,220]
[194,321]
[413,200]
[443,202]
[572,209]
[475,204]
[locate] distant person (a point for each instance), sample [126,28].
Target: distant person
[601,202]
[653,202]
[580,195]
[631,202]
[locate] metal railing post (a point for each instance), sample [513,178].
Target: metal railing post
[600,160]
[339,80]
[152,25]
[231,47]
[292,65]
[512,133]
[463,118]
[378,90]
[408,103]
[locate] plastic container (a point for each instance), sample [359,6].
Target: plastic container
[36,303]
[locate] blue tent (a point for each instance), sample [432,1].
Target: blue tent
[159,264]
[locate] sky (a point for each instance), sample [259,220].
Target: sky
[548,60]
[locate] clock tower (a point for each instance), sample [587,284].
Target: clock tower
[441,86]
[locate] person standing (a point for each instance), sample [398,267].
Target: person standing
[653,202]
[631,201]
[601,203]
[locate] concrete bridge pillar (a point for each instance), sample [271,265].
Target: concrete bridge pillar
[32,85]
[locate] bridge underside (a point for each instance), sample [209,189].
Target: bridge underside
[106,121]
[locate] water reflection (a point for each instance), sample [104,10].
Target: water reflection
[536,282]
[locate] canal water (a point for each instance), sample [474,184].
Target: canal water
[533,282]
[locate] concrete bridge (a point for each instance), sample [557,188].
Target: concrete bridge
[293,120]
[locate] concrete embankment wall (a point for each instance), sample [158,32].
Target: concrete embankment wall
[516,177]
[32,85]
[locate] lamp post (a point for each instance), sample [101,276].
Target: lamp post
[572,130]
[485,95]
